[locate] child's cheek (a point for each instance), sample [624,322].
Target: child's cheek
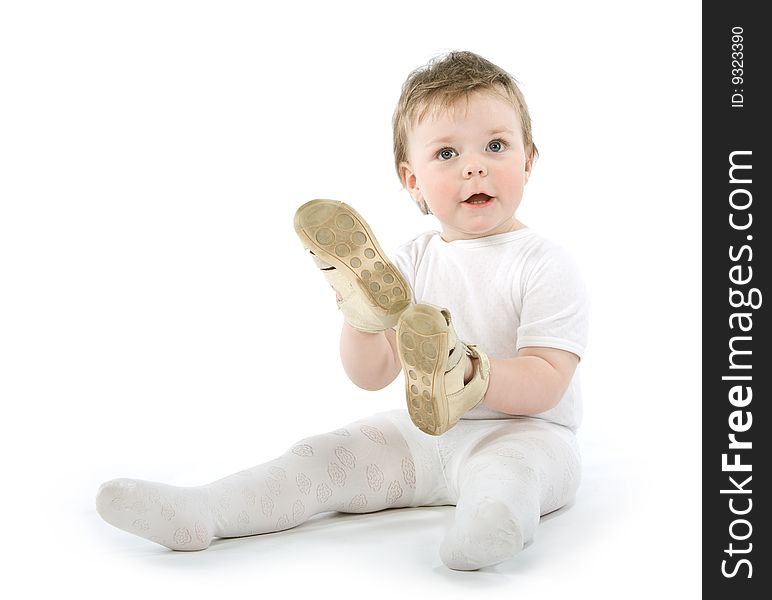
[445,191]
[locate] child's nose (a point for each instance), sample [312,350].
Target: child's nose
[475,169]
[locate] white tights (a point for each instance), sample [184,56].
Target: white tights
[500,474]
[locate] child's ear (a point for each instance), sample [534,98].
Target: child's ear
[409,181]
[405,172]
[528,168]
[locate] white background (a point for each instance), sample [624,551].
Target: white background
[159,319]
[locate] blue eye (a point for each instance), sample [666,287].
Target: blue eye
[446,154]
[496,146]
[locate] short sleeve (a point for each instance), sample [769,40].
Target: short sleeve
[407,257]
[555,305]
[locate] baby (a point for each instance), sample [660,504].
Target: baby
[492,397]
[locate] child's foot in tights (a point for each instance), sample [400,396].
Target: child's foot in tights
[485,537]
[176,517]
[364,467]
[496,514]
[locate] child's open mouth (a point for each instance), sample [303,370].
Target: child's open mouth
[478,200]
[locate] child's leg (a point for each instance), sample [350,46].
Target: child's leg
[364,467]
[520,470]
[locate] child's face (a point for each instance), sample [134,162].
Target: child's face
[469,165]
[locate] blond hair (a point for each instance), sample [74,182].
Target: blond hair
[444,81]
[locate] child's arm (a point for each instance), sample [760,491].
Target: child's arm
[532,382]
[369,359]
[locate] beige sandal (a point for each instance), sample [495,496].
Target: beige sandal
[372,294]
[431,354]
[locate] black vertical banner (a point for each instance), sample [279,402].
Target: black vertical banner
[736,370]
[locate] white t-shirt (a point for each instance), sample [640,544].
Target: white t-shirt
[504,292]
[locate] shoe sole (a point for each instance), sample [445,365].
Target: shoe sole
[338,235]
[422,345]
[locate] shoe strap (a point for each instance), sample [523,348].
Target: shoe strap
[324,266]
[456,354]
[473,393]
[483,365]
[352,304]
